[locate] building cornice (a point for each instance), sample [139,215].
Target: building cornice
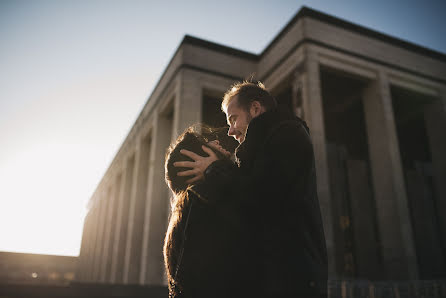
[188,39]
[328,19]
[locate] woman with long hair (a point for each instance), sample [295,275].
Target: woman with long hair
[204,247]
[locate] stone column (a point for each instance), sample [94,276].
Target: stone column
[91,243]
[132,263]
[87,256]
[397,245]
[107,230]
[113,213]
[152,271]
[102,205]
[296,87]
[117,227]
[313,113]
[363,220]
[435,120]
[122,222]
[187,103]
[90,248]
[83,254]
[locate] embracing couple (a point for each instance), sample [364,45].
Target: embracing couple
[246,224]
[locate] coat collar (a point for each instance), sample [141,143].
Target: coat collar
[259,128]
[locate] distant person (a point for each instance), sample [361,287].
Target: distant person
[204,250]
[275,180]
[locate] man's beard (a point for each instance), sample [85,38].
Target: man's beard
[248,120]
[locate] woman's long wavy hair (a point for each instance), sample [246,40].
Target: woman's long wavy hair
[191,139]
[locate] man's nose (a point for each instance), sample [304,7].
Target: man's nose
[231,131]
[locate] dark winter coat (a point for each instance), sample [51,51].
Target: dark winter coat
[214,262]
[276,182]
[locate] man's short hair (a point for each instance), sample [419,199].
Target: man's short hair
[247,92]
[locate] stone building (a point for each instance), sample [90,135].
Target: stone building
[376,108]
[36,269]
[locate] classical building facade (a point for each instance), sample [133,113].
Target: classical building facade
[376,108]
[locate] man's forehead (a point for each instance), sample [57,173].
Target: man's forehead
[231,113]
[232,106]
[228,117]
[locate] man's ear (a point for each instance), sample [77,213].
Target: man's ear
[256,109]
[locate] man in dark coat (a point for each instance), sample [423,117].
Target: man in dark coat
[275,180]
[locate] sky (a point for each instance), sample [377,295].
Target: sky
[74,76]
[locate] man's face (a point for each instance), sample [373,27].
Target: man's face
[238,119]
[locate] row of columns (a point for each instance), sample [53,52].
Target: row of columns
[125,227]
[397,246]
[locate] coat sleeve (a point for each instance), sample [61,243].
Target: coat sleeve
[284,162]
[228,182]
